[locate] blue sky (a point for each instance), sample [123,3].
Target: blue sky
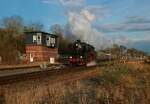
[31,10]
[114,18]
[51,13]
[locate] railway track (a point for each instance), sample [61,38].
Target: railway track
[14,78]
[24,66]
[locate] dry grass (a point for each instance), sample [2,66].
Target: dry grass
[117,84]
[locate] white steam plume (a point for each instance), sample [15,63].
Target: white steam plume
[80,19]
[81,27]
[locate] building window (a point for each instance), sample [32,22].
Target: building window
[47,40]
[53,40]
[39,38]
[34,38]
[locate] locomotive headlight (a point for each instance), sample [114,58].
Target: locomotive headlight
[81,57]
[70,57]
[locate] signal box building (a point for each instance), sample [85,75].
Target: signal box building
[40,46]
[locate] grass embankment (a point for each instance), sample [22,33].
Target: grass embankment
[116,84]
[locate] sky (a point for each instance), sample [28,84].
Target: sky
[121,21]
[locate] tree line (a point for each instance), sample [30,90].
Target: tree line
[123,51]
[12,43]
[12,37]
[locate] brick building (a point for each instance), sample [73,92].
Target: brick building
[40,46]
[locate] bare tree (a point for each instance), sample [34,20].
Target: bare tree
[13,23]
[8,48]
[37,26]
[63,42]
[56,29]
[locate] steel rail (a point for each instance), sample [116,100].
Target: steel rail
[39,74]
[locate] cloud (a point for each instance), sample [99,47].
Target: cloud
[72,2]
[98,10]
[65,2]
[49,1]
[145,37]
[138,27]
[132,24]
[137,19]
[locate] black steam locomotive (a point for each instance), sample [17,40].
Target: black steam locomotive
[81,53]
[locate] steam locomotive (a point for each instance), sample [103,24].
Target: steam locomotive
[81,53]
